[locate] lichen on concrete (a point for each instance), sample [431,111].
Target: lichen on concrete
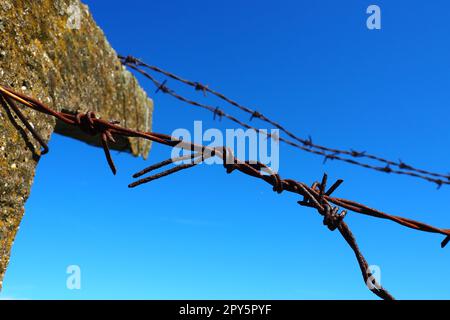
[53,50]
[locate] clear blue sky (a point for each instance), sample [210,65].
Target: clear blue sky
[201,234]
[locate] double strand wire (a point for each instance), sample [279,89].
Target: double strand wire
[349,156]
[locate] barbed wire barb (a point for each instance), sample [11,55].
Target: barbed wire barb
[294,140]
[314,197]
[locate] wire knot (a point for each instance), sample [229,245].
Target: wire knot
[163,88]
[357,154]
[86,123]
[330,157]
[277,183]
[403,165]
[308,143]
[89,124]
[255,114]
[200,87]
[332,218]
[130,59]
[386,169]
[218,113]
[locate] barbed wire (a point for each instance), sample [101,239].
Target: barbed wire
[300,143]
[316,196]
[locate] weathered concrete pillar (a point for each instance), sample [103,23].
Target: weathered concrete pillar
[52,50]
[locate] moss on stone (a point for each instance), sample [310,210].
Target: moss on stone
[70,69]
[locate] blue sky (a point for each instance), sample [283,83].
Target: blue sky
[201,234]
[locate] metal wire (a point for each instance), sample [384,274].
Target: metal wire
[316,196]
[348,156]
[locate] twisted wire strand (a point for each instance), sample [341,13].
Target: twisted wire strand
[317,196]
[303,144]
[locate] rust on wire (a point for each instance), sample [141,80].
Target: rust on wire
[348,156]
[9,104]
[316,196]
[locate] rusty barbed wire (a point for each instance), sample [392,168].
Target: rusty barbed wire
[299,143]
[316,196]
